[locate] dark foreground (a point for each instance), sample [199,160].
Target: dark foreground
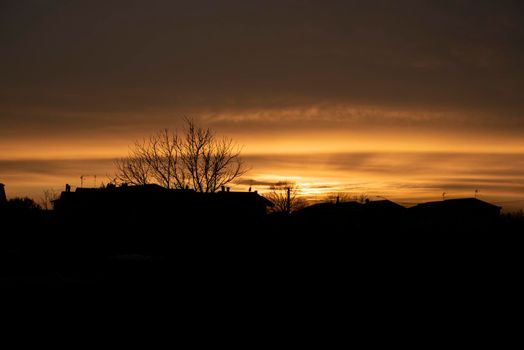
[268,254]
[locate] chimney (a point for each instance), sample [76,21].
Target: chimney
[227,188]
[68,188]
[3,198]
[223,188]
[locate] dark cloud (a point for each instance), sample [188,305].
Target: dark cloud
[254,182]
[59,58]
[55,172]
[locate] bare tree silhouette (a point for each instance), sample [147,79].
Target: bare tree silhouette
[340,197]
[285,197]
[48,196]
[195,159]
[152,160]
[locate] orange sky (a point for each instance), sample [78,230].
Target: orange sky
[406,99]
[407,167]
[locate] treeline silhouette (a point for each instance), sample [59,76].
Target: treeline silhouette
[149,235]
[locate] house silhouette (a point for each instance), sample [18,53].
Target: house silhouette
[455,214]
[351,216]
[451,215]
[151,202]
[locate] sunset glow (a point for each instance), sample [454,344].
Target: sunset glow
[405,102]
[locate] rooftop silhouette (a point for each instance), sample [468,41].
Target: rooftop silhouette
[123,234]
[150,203]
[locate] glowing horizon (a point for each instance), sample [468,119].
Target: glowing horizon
[408,178]
[341,96]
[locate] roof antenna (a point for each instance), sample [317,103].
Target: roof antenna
[443,196]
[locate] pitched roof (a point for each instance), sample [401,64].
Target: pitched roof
[460,203]
[384,204]
[329,208]
[243,197]
[148,193]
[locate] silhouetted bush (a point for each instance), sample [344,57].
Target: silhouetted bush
[22,203]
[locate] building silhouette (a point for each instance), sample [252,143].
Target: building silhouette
[462,214]
[153,202]
[3,197]
[385,216]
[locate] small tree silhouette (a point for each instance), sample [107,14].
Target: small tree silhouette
[22,204]
[285,197]
[195,159]
[48,196]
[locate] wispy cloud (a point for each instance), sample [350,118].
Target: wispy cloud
[401,176]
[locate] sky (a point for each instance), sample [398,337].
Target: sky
[399,99]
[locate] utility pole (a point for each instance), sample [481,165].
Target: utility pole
[288,202]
